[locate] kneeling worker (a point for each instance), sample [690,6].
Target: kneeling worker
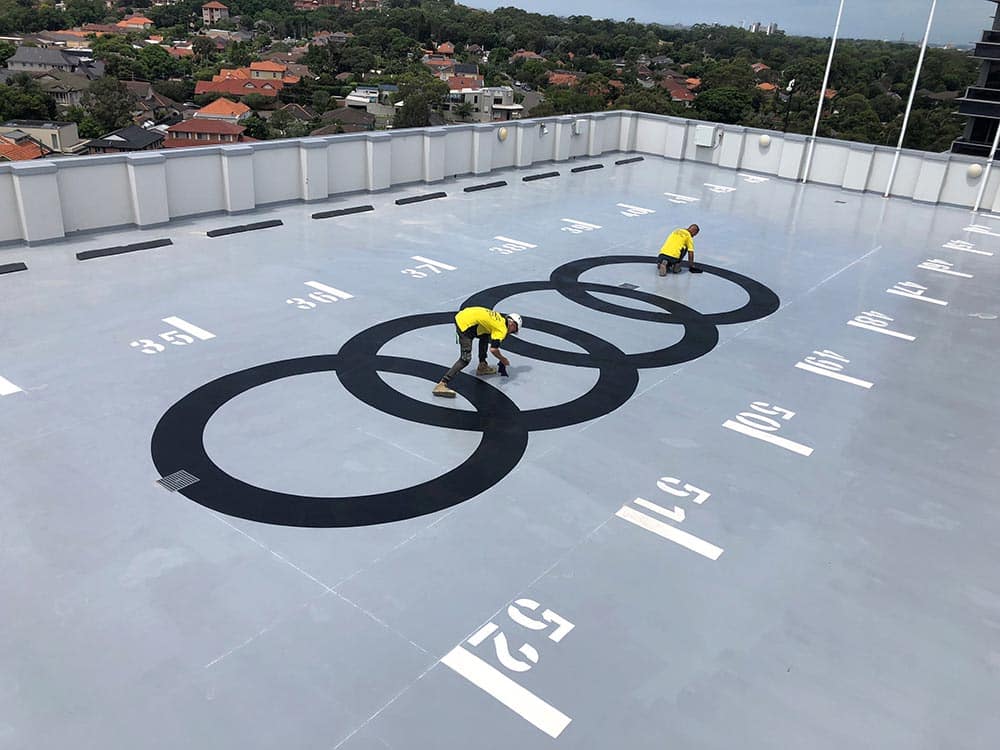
[679,243]
[490,327]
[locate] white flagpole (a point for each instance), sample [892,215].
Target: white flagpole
[909,104]
[822,92]
[986,175]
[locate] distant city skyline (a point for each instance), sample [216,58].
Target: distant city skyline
[959,22]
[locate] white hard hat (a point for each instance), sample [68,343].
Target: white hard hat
[517,320]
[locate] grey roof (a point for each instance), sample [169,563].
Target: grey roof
[42,56]
[467,69]
[35,124]
[130,137]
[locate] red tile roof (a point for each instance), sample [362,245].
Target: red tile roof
[224,107]
[27,149]
[214,4]
[237,87]
[457,83]
[219,127]
[269,65]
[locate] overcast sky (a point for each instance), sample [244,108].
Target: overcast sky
[955,21]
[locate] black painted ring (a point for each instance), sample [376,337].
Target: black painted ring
[616,382]
[565,279]
[178,444]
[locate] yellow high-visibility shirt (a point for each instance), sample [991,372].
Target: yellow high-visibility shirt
[486,321]
[678,240]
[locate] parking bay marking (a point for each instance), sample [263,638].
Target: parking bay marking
[7,388]
[878,322]
[491,680]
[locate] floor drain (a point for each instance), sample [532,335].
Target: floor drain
[629,286]
[177,481]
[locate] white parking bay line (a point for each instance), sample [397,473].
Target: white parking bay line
[518,699]
[835,375]
[767,437]
[675,535]
[180,323]
[329,290]
[7,388]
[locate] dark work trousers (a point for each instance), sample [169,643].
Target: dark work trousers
[465,339]
[671,262]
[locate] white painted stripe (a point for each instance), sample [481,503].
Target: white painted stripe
[582,223]
[7,388]
[675,535]
[980,229]
[520,700]
[636,208]
[483,633]
[329,290]
[767,437]
[942,270]
[917,296]
[886,331]
[835,375]
[437,263]
[198,333]
[674,515]
[514,242]
[968,250]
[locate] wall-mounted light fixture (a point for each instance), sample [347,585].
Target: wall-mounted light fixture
[502,134]
[543,130]
[974,171]
[764,141]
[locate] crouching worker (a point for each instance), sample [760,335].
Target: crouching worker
[679,243]
[490,327]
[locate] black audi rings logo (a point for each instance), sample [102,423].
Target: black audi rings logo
[178,442]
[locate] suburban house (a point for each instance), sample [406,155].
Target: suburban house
[150,106]
[345,120]
[59,137]
[488,104]
[213,11]
[126,140]
[266,78]
[18,146]
[678,91]
[225,110]
[66,88]
[202,132]
[37,59]
[134,23]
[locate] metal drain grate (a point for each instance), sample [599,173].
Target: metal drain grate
[177,481]
[629,286]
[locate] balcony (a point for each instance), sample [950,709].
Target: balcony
[979,102]
[987,50]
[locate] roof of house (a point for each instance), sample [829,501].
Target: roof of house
[446,48]
[348,115]
[466,69]
[135,21]
[21,149]
[49,124]
[220,127]
[56,80]
[526,54]
[179,51]
[564,78]
[223,107]
[457,83]
[299,112]
[768,87]
[829,93]
[238,87]
[129,138]
[270,65]
[439,63]
[759,66]
[215,4]
[42,56]
[678,92]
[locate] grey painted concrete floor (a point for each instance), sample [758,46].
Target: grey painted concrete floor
[757,597]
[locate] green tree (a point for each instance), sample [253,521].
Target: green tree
[415,112]
[86,125]
[109,103]
[23,99]
[463,110]
[6,50]
[155,63]
[203,46]
[723,105]
[179,91]
[256,127]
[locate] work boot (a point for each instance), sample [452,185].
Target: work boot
[442,389]
[661,269]
[485,369]
[676,268]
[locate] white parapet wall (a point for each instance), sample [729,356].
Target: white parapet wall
[45,200]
